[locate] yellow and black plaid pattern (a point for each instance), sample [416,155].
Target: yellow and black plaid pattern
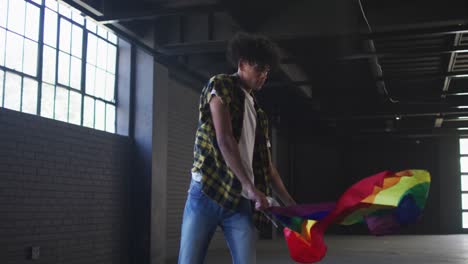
[218,181]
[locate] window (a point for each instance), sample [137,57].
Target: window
[464,180]
[60,65]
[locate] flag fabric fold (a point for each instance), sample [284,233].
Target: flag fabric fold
[385,202]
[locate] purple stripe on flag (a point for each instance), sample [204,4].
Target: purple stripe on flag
[303,210]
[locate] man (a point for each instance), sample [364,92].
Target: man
[232,164]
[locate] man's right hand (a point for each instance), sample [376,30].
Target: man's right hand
[258,197]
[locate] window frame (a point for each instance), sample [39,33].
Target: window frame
[463,192]
[57,50]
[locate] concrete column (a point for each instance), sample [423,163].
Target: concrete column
[142,133]
[450,186]
[159,164]
[151,139]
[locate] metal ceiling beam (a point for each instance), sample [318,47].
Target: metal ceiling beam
[123,31]
[213,46]
[389,53]
[413,110]
[453,107]
[458,100]
[460,121]
[390,115]
[217,46]
[433,31]
[405,53]
[403,34]
[460,74]
[455,91]
[447,79]
[286,84]
[91,6]
[412,133]
[132,15]
[398,65]
[203,47]
[419,53]
[410,60]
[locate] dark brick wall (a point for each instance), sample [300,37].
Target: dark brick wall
[63,188]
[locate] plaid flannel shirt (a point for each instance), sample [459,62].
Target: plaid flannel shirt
[218,181]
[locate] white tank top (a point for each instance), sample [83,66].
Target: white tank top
[247,138]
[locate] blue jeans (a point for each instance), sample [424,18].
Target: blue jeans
[201,217]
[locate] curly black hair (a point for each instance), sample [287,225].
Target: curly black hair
[256,49]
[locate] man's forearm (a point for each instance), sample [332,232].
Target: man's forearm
[230,151]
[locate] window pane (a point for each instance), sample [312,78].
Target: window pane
[14,56]
[88,118]
[465,219]
[30,57]
[64,10]
[111,58]
[47,100]
[29,96]
[1,87]
[2,46]
[465,201]
[100,88]
[90,25]
[464,146]
[110,81]
[101,54]
[77,41]
[32,22]
[52,4]
[75,73]
[50,28]
[102,32]
[464,164]
[20,93]
[61,104]
[464,183]
[91,51]
[112,37]
[74,114]
[90,77]
[100,115]
[110,118]
[48,69]
[64,69]
[3,12]
[16,12]
[12,91]
[65,35]
[77,17]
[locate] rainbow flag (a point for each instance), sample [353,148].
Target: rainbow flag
[385,202]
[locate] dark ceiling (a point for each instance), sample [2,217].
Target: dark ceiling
[369,67]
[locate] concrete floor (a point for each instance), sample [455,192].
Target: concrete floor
[368,249]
